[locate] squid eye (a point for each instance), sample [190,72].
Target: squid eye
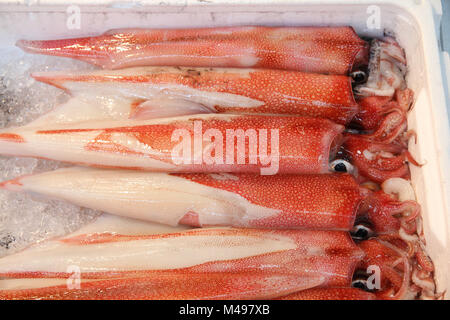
[360,281]
[340,165]
[361,232]
[359,77]
[360,284]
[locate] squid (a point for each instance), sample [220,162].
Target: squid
[222,263]
[334,50]
[308,202]
[382,97]
[332,202]
[209,143]
[155,92]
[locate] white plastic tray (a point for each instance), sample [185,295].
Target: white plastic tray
[412,22]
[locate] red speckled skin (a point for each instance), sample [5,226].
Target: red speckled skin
[329,254]
[389,256]
[167,286]
[281,92]
[330,294]
[320,258]
[304,143]
[320,267]
[331,201]
[312,202]
[312,49]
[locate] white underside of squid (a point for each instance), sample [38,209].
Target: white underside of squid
[113,100]
[151,196]
[83,108]
[119,255]
[158,253]
[71,146]
[106,224]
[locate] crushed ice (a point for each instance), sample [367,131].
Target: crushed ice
[26,219]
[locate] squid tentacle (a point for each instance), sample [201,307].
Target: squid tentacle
[394,266]
[393,124]
[405,283]
[374,160]
[421,266]
[387,68]
[385,119]
[398,216]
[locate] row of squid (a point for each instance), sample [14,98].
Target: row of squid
[335,219]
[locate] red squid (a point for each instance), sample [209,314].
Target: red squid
[335,50]
[219,263]
[156,92]
[308,202]
[198,143]
[208,264]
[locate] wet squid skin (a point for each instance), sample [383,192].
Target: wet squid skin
[379,113]
[156,92]
[382,98]
[308,202]
[286,144]
[233,143]
[343,293]
[335,50]
[228,264]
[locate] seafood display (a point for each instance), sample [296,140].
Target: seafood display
[213,264]
[274,165]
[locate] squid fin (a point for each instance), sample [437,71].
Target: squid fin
[163,107]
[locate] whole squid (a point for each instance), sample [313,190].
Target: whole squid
[207,264]
[308,202]
[156,92]
[335,50]
[209,143]
[383,98]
